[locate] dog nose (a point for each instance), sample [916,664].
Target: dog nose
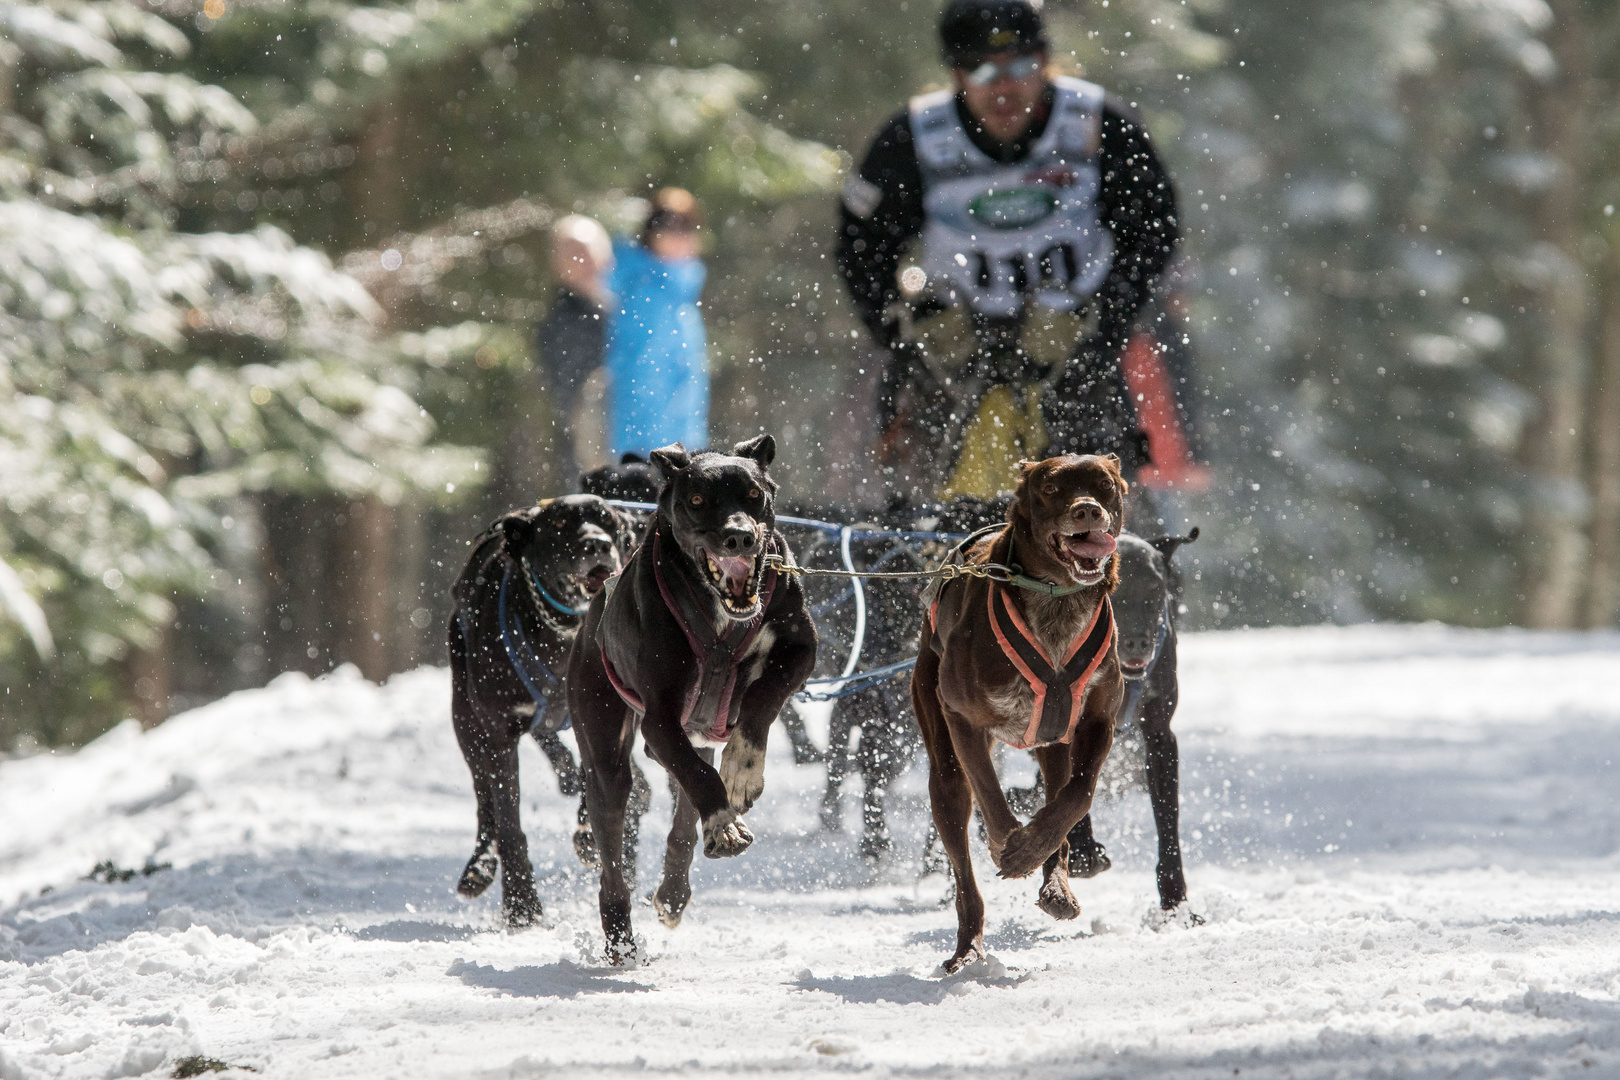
[1089,514]
[739,541]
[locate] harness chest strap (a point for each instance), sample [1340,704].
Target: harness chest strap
[538,679]
[1060,689]
[708,706]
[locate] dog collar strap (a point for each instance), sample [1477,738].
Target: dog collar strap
[1023,581]
[540,593]
[1060,687]
[539,680]
[709,703]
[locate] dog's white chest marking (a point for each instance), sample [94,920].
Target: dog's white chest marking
[1054,625]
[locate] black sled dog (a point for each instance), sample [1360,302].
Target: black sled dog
[519,602]
[701,642]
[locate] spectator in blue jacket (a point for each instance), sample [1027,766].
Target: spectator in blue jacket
[657,355]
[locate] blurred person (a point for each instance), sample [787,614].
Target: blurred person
[657,353]
[1158,366]
[999,240]
[571,339]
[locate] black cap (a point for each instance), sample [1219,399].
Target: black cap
[970,30]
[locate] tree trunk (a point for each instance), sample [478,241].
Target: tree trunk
[364,591]
[1603,596]
[1555,559]
[148,676]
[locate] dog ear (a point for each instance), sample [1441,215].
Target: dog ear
[1119,472]
[632,458]
[1167,545]
[762,448]
[518,527]
[1019,508]
[671,459]
[628,525]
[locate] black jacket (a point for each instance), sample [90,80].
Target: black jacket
[570,341]
[1137,204]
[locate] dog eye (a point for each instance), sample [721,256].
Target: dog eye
[753,493]
[1049,490]
[696,500]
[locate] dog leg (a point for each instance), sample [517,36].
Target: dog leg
[640,802]
[973,752]
[674,892]
[584,841]
[1087,858]
[840,728]
[1164,789]
[562,762]
[519,901]
[489,747]
[608,781]
[1055,898]
[1030,846]
[742,766]
[950,795]
[804,751]
[742,769]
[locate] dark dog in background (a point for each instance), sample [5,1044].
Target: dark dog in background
[1145,749]
[633,479]
[703,643]
[519,602]
[1031,664]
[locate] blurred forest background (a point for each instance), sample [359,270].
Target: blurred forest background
[269,271]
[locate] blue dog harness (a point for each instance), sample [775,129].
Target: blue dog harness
[539,680]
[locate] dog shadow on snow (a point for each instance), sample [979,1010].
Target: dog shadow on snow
[378,898]
[904,988]
[563,979]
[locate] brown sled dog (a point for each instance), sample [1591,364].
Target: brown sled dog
[1031,662]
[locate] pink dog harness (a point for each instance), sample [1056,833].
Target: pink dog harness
[711,703]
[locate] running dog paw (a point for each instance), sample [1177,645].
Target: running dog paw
[742,770]
[965,955]
[521,913]
[585,847]
[479,874]
[669,904]
[622,954]
[1056,900]
[1023,853]
[725,835]
[1088,862]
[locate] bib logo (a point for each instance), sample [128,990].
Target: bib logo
[1018,208]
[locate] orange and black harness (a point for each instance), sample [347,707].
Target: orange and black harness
[1060,687]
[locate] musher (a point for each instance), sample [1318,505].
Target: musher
[999,240]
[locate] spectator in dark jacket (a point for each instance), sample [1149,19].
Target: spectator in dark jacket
[571,338]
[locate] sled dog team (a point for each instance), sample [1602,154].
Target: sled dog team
[693,628]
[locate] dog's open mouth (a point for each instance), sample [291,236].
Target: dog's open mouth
[735,579]
[1084,553]
[1133,669]
[579,588]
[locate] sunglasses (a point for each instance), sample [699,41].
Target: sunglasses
[1017,69]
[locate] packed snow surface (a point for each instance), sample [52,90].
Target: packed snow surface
[1404,842]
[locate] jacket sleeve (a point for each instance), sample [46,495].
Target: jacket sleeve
[882,210]
[1138,205]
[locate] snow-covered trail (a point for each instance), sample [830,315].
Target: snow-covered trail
[1405,841]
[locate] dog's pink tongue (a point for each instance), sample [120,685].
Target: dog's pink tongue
[736,571]
[1095,544]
